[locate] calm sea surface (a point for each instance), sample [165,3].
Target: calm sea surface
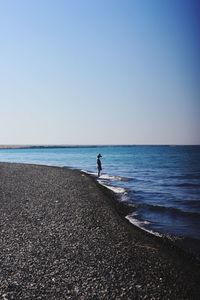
[162,182]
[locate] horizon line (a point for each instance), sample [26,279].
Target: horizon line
[30,146]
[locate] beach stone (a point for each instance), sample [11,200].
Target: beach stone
[63,236]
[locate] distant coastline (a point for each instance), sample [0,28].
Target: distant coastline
[89,146]
[43,146]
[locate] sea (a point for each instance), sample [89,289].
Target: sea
[160,183]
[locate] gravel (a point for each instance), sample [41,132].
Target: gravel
[63,236]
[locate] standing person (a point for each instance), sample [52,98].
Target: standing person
[99,167]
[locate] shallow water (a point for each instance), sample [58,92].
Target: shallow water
[162,182]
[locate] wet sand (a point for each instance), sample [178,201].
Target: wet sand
[63,236]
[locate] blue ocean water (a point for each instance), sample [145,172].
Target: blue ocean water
[161,182]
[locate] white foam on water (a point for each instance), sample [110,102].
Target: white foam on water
[141,224]
[115,189]
[104,178]
[110,177]
[89,173]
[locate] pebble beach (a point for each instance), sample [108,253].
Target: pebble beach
[63,236]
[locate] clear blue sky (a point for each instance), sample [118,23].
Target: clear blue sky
[99,72]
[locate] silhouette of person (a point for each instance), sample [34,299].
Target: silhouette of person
[99,167]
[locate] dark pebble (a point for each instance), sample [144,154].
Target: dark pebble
[65,237]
